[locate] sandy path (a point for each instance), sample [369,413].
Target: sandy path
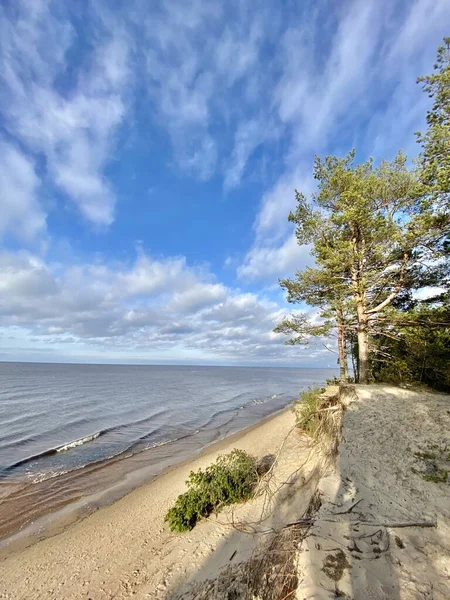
[125,550]
[392,440]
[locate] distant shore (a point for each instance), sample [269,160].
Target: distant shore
[95,556]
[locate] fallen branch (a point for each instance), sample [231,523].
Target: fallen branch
[266,477]
[349,510]
[289,595]
[395,525]
[302,522]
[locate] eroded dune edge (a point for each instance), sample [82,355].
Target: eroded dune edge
[377,523]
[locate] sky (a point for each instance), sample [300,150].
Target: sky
[149,156]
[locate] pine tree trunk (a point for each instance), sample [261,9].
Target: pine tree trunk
[363,345]
[343,375]
[359,295]
[355,359]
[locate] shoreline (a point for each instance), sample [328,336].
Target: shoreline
[54,522]
[126,549]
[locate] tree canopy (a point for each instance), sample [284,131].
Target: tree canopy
[435,159]
[378,232]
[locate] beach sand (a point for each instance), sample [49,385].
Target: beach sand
[126,550]
[371,538]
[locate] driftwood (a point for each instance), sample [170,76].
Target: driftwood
[395,525]
[392,525]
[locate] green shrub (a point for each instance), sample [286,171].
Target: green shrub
[306,411]
[230,479]
[396,371]
[419,353]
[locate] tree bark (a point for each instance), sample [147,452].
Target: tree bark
[343,369]
[359,295]
[355,358]
[363,345]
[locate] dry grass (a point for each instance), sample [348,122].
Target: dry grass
[319,415]
[269,574]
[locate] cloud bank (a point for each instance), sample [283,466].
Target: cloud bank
[232,100]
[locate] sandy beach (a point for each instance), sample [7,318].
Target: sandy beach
[126,550]
[377,517]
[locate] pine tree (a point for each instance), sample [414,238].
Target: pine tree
[435,160]
[315,287]
[378,233]
[368,212]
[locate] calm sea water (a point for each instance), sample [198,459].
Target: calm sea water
[60,422]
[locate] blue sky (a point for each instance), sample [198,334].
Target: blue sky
[150,152]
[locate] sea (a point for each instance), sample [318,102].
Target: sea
[75,436]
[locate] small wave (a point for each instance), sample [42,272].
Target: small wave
[171,441]
[257,401]
[52,451]
[127,452]
[131,424]
[262,400]
[46,475]
[40,477]
[42,435]
[80,442]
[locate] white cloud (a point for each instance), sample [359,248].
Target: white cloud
[416,39]
[149,276]
[428,292]
[196,57]
[72,127]
[179,82]
[310,99]
[198,296]
[275,261]
[24,276]
[238,49]
[271,223]
[320,90]
[411,53]
[249,135]
[21,213]
[148,307]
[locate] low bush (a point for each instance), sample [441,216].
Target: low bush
[232,478]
